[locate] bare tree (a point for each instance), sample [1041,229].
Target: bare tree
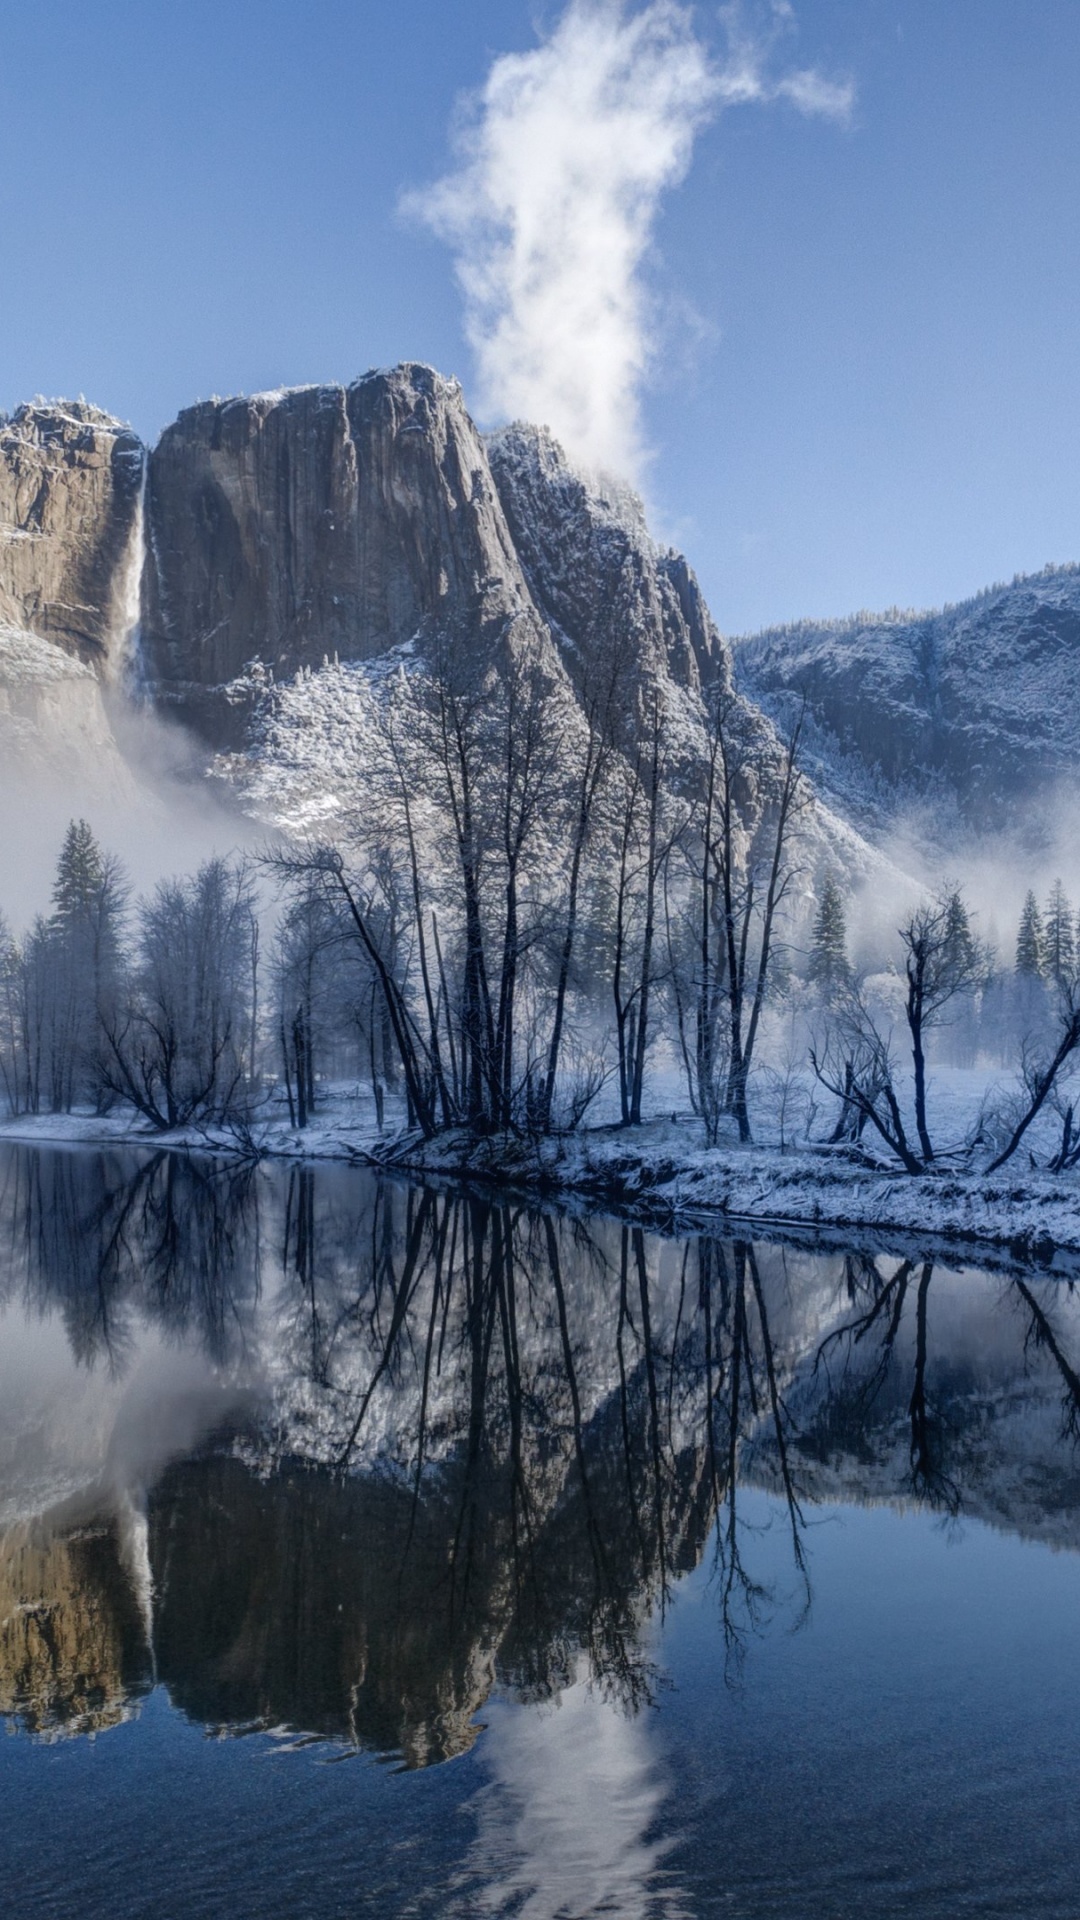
[179,1046]
[942,961]
[744,874]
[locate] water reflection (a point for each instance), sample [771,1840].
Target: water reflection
[356,1455]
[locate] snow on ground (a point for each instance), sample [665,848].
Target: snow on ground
[664,1172]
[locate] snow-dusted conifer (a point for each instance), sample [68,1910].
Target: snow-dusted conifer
[829,965]
[11,1021]
[1030,946]
[84,940]
[960,945]
[79,874]
[1059,944]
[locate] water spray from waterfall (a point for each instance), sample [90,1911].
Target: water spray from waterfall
[126,669]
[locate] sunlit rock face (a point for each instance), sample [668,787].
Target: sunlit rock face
[70,482]
[291,527]
[266,539]
[70,478]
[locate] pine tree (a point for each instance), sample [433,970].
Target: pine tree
[1059,944]
[80,872]
[1030,941]
[79,964]
[959,940]
[829,967]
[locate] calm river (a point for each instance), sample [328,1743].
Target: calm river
[369,1549]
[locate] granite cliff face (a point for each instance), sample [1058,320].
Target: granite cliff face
[286,528]
[595,574]
[70,511]
[291,527]
[70,479]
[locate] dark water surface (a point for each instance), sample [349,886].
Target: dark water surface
[368,1549]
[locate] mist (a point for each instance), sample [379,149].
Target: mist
[994,869]
[139,780]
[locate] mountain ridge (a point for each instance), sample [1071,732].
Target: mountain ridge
[974,702]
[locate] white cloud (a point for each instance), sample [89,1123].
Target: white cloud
[563,159]
[745,76]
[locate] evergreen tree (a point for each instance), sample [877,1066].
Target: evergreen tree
[80,871]
[970,961]
[1059,944]
[1030,941]
[829,967]
[79,967]
[960,945]
[11,1024]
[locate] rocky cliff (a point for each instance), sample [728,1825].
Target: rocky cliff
[602,584]
[264,536]
[70,485]
[70,479]
[292,527]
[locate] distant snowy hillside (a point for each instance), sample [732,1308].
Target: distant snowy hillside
[978,701]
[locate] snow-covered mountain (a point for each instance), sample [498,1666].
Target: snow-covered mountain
[976,703]
[271,551]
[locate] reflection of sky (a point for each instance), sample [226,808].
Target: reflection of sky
[568,1823]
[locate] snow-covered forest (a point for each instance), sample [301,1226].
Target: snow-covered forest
[525,914]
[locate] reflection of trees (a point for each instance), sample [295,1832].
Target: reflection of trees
[583,1416]
[887,1340]
[101,1235]
[492,1438]
[1041,1335]
[521,1430]
[564,1427]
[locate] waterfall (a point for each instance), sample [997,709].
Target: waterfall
[134,1543]
[125,664]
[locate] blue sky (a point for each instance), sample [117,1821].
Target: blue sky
[865,386]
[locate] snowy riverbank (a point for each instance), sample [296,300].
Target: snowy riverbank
[661,1173]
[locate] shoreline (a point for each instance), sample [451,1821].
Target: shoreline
[661,1176]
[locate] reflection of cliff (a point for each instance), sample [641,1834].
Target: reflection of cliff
[363,1613]
[485,1440]
[72,1640]
[294,1601]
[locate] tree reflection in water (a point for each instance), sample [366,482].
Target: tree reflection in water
[488,1440]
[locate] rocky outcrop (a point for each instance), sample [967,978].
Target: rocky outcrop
[600,581]
[287,528]
[70,479]
[290,527]
[979,700]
